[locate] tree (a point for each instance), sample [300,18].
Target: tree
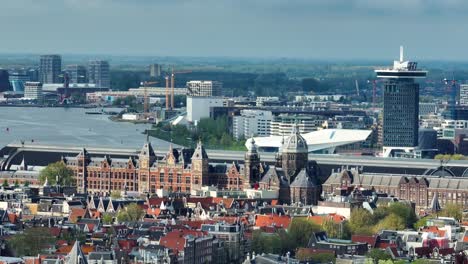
[116,195]
[360,222]
[452,210]
[391,222]
[377,254]
[73,235]
[107,218]
[336,230]
[266,242]
[404,211]
[26,184]
[57,170]
[31,242]
[299,232]
[421,223]
[305,255]
[132,212]
[5,183]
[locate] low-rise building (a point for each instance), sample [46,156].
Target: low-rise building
[33,90]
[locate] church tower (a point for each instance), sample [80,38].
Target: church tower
[83,160]
[294,154]
[200,166]
[146,158]
[252,164]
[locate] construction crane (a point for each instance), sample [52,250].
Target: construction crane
[167,92]
[172,106]
[145,103]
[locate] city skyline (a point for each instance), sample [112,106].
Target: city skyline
[357,29]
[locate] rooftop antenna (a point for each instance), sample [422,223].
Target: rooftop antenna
[401,53]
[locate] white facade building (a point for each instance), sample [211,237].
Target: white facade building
[251,123]
[204,88]
[283,124]
[33,90]
[261,100]
[322,141]
[198,107]
[464,94]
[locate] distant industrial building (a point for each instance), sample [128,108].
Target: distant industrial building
[427,109]
[99,73]
[267,100]
[19,76]
[109,96]
[251,123]
[4,81]
[33,75]
[17,86]
[463,95]
[50,67]
[77,73]
[401,107]
[155,70]
[204,88]
[33,90]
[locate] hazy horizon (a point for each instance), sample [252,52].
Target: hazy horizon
[295,29]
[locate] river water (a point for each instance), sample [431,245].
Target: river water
[71,127]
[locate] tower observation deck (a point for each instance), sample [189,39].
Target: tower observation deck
[401,107]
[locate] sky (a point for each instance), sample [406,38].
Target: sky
[310,29]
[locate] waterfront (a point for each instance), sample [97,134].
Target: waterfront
[69,126]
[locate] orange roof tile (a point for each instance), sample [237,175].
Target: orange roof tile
[66,249]
[272,220]
[76,213]
[434,230]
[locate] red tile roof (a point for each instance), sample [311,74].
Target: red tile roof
[55,231]
[66,249]
[127,244]
[13,218]
[319,219]
[370,240]
[435,230]
[272,220]
[76,213]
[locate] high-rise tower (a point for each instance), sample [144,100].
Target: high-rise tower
[401,107]
[98,73]
[50,68]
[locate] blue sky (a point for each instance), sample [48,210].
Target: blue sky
[320,29]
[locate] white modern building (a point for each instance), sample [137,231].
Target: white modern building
[283,124]
[204,88]
[322,141]
[464,94]
[33,90]
[262,100]
[251,123]
[199,107]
